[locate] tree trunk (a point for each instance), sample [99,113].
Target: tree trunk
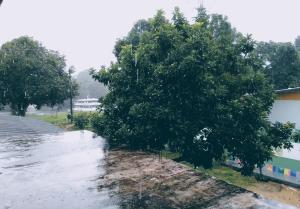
[19,109]
[260,171]
[247,169]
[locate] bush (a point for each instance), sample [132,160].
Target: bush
[82,120]
[97,123]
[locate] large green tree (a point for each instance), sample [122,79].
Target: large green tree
[196,88]
[31,74]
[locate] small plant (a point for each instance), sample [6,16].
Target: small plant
[82,120]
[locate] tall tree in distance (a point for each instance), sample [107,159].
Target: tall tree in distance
[282,63]
[88,87]
[179,20]
[201,15]
[297,43]
[30,74]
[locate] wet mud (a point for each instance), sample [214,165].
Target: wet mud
[140,180]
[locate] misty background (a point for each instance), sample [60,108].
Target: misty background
[86,31]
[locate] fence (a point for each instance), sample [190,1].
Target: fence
[283,169]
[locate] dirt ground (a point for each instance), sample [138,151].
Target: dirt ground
[277,192]
[140,180]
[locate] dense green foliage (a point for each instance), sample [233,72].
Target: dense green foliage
[196,88]
[282,63]
[32,74]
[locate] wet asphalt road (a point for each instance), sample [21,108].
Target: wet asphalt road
[42,167]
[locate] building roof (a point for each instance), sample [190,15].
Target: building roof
[87,100]
[289,90]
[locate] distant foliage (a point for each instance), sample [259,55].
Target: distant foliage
[296,136]
[30,74]
[281,63]
[88,87]
[297,43]
[198,88]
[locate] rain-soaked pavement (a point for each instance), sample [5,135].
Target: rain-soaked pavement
[39,170]
[42,167]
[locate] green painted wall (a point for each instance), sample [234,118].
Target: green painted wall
[285,163]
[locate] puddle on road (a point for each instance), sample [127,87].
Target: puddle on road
[53,172]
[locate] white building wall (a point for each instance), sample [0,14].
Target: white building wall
[286,110]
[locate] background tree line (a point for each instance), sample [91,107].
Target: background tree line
[88,87]
[281,63]
[200,88]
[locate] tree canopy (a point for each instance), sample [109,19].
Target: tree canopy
[30,74]
[196,88]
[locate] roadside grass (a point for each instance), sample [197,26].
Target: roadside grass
[229,175]
[59,119]
[218,171]
[170,155]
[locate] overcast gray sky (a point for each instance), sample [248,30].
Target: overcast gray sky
[85,30]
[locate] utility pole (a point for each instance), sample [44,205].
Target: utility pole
[71,70]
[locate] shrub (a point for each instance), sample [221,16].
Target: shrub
[97,123]
[82,120]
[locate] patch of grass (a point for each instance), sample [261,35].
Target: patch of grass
[229,175]
[218,171]
[59,119]
[170,155]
